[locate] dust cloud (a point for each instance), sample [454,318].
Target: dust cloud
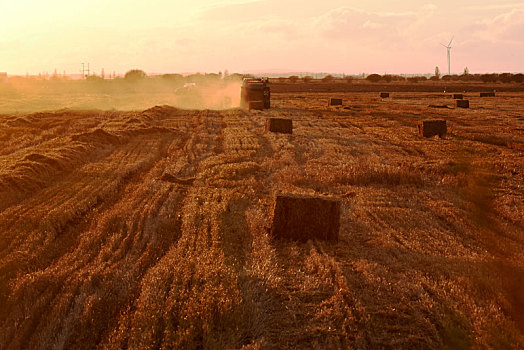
[26,95]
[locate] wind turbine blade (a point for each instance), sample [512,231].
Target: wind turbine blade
[451,40]
[443,45]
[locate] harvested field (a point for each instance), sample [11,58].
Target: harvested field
[304,218]
[124,229]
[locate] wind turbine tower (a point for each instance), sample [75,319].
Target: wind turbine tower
[448,46]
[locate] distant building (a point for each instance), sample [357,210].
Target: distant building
[3,77]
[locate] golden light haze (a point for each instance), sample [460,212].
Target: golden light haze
[242,36]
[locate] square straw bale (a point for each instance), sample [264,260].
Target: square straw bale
[281,125]
[462,103]
[300,218]
[429,128]
[335,102]
[487,94]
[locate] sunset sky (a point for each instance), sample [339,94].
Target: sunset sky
[339,36]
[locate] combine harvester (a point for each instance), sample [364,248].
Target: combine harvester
[255,94]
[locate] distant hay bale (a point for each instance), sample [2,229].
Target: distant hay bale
[335,102]
[429,128]
[284,126]
[458,96]
[462,103]
[384,94]
[259,105]
[487,94]
[301,218]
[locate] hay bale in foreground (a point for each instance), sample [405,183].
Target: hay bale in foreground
[384,94]
[335,102]
[458,96]
[487,94]
[429,128]
[281,125]
[301,218]
[462,103]
[259,105]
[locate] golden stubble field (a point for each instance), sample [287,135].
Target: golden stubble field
[150,229]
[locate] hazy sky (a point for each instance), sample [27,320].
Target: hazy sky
[212,35]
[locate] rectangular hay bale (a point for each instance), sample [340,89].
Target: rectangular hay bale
[458,96]
[335,102]
[301,218]
[487,94]
[281,125]
[256,105]
[462,103]
[429,128]
[384,94]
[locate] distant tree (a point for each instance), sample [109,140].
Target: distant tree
[489,78]
[135,74]
[374,78]
[94,79]
[518,78]
[452,77]
[416,79]
[213,76]
[194,78]
[172,76]
[103,74]
[236,77]
[328,78]
[466,71]
[506,77]
[387,78]
[398,78]
[437,73]
[293,79]
[307,79]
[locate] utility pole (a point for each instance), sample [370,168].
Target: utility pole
[84,70]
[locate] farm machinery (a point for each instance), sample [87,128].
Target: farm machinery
[255,94]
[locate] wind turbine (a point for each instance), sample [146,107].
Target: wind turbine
[449,48]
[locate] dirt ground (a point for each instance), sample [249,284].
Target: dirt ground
[151,229]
